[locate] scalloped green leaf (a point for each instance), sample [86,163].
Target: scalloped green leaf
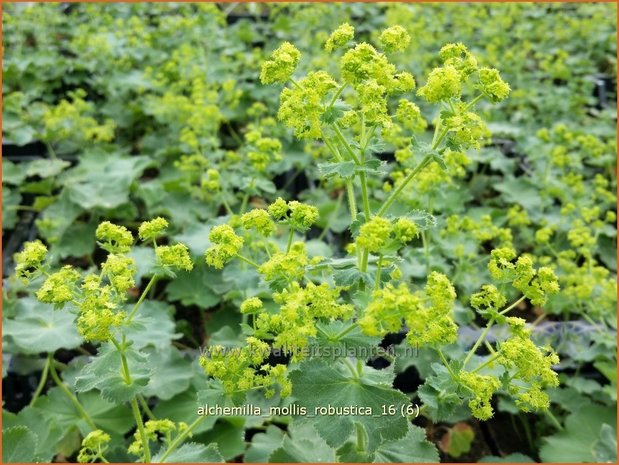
[18,445]
[303,445]
[263,445]
[104,373]
[192,453]
[318,384]
[412,448]
[37,328]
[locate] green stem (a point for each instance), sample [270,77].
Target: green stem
[226,206]
[379,268]
[473,102]
[403,184]
[446,363]
[481,338]
[181,437]
[246,197]
[426,250]
[343,141]
[290,238]
[138,421]
[296,84]
[337,94]
[70,396]
[142,297]
[554,420]
[361,438]
[503,312]
[352,203]
[486,363]
[247,260]
[146,408]
[364,195]
[42,381]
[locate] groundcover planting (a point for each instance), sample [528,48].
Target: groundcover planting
[309,232]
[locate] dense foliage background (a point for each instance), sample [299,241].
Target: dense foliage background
[126,112]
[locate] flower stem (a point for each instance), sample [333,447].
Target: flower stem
[70,396]
[379,269]
[181,437]
[42,381]
[290,238]
[503,312]
[394,195]
[146,408]
[347,146]
[446,363]
[345,332]
[247,260]
[481,338]
[138,421]
[142,297]
[486,363]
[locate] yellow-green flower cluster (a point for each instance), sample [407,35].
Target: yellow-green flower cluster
[240,369]
[395,39]
[211,181]
[98,311]
[153,428]
[283,268]
[443,84]
[405,230]
[114,238]
[120,270]
[492,86]
[174,256]
[58,288]
[340,37]
[409,116]
[151,230]
[374,234]
[225,245]
[262,150]
[534,284]
[481,387]
[466,129]
[258,220]
[300,309]
[251,305]
[281,66]
[297,215]
[301,107]
[30,259]
[94,445]
[489,299]
[428,324]
[458,56]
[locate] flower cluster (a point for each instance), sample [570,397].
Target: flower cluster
[394,39]
[340,37]
[114,238]
[94,446]
[153,429]
[282,64]
[428,324]
[535,284]
[225,246]
[174,256]
[300,308]
[151,230]
[243,369]
[258,220]
[297,215]
[29,260]
[283,268]
[379,233]
[481,387]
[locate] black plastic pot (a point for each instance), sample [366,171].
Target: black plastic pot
[17,153]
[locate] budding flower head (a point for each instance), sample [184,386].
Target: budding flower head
[30,258]
[340,37]
[278,209]
[395,39]
[114,238]
[174,256]
[58,287]
[374,234]
[302,216]
[482,387]
[120,270]
[251,305]
[259,220]
[458,56]
[492,86]
[409,116]
[93,446]
[489,298]
[405,230]
[151,230]
[283,62]
[443,84]
[226,244]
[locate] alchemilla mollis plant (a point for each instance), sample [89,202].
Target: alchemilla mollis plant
[333,234]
